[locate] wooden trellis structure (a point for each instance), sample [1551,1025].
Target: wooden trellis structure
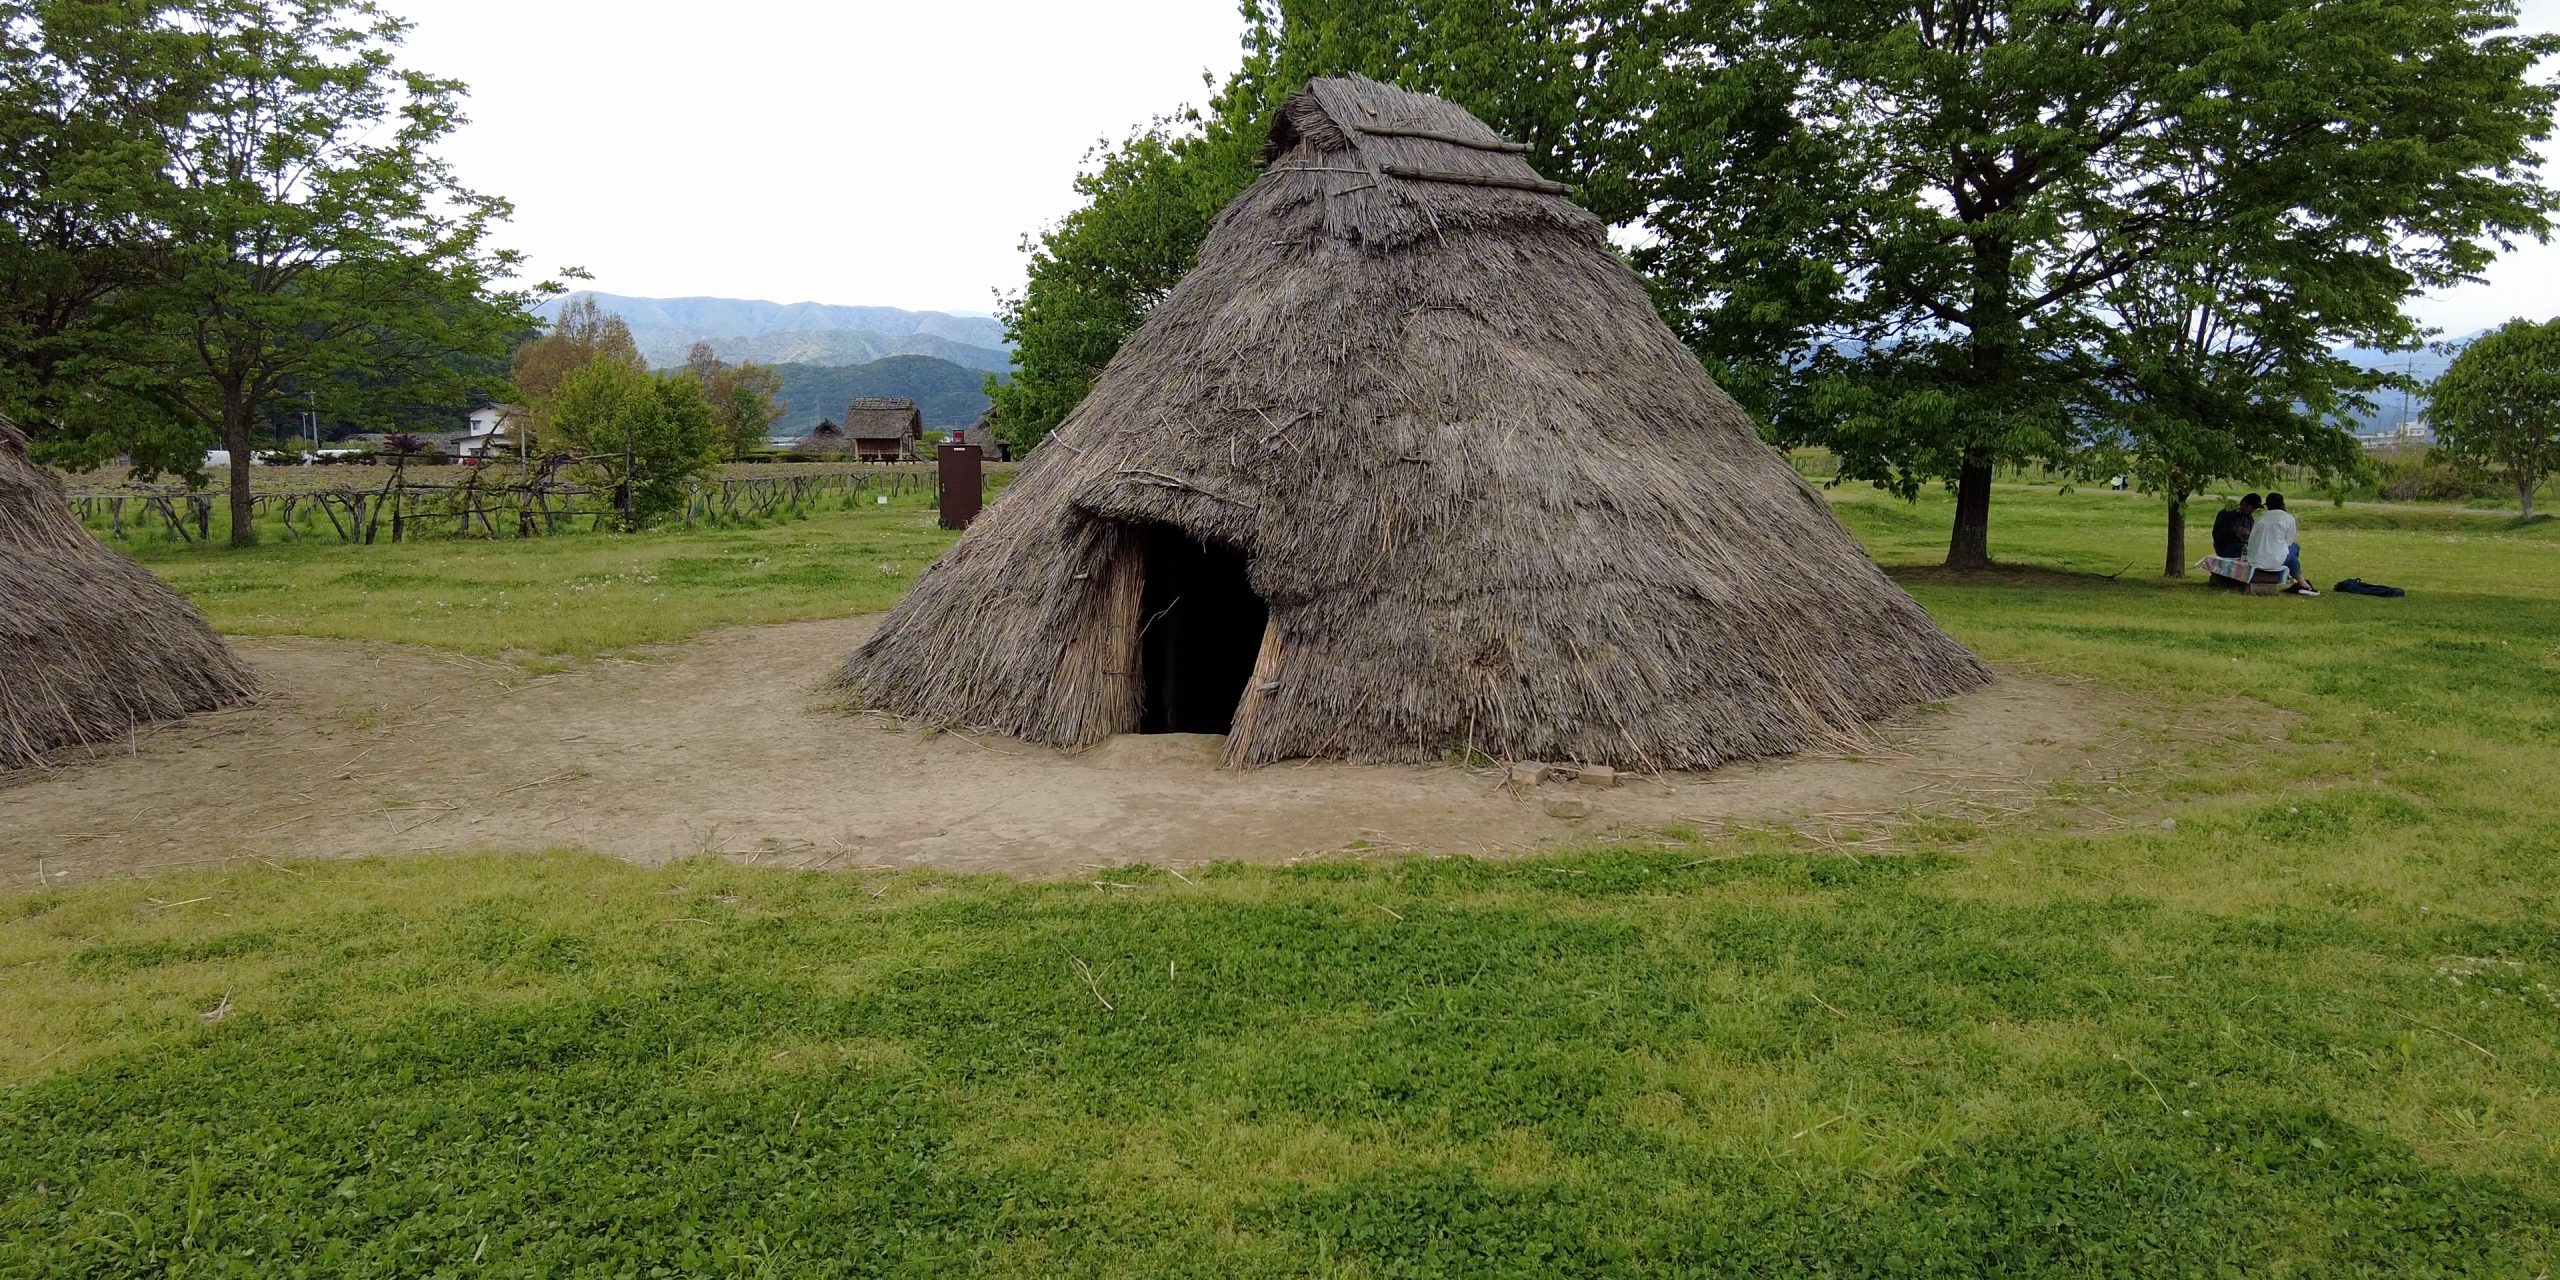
[492,502]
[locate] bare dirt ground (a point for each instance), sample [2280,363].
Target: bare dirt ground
[725,745]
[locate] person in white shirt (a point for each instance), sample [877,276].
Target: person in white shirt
[2275,544]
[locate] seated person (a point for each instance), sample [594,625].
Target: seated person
[2275,545]
[2231,528]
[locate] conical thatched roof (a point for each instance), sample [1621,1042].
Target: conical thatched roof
[91,645]
[1487,497]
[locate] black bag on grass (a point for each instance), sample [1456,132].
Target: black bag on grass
[2360,587]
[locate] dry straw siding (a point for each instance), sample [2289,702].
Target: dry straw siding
[91,645]
[1488,496]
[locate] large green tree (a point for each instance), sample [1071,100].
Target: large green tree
[642,435]
[259,213]
[1096,274]
[2497,406]
[1549,73]
[583,334]
[2206,373]
[1907,221]
[87,93]
[745,397]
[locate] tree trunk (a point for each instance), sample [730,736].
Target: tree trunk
[1970,547]
[2177,565]
[235,437]
[1990,346]
[2524,491]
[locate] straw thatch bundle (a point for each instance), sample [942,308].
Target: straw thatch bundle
[1486,497]
[91,645]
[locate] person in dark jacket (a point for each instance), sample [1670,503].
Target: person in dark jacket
[2231,528]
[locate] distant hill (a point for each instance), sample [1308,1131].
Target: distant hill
[849,347]
[804,332]
[948,394]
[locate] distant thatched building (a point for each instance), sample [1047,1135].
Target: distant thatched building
[875,429]
[826,437]
[1407,465]
[91,645]
[982,433]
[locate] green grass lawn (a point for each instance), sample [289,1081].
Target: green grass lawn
[2268,1010]
[577,595]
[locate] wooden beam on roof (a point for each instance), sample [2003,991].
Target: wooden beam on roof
[1412,174]
[1434,135]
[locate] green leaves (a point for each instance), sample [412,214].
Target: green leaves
[221,204]
[1541,71]
[2497,406]
[1096,274]
[645,436]
[2080,225]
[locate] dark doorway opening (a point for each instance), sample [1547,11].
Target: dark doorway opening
[1201,631]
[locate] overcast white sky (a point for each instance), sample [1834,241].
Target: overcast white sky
[863,152]
[875,152]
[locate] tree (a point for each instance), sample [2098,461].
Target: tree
[702,363]
[2207,373]
[643,435]
[744,397]
[1908,219]
[745,403]
[273,217]
[584,334]
[1095,275]
[1543,71]
[86,94]
[2497,406]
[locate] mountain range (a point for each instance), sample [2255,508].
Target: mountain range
[798,332]
[947,394]
[829,354]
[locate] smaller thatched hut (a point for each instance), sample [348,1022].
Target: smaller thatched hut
[824,438]
[982,433]
[91,645]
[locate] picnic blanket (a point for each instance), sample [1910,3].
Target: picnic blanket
[2235,568]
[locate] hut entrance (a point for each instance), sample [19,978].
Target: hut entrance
[1200,630]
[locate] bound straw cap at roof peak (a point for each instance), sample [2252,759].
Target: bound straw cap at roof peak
[1383,128]
[1393,165]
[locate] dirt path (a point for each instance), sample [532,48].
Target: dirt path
[724,745]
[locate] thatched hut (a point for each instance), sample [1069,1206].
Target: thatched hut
[1408,466]
[91,645]
[824,439]
[875,429]
[982,433]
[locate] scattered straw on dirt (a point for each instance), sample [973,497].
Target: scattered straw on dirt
[727,745]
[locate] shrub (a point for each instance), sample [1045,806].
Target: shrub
[2420,475]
